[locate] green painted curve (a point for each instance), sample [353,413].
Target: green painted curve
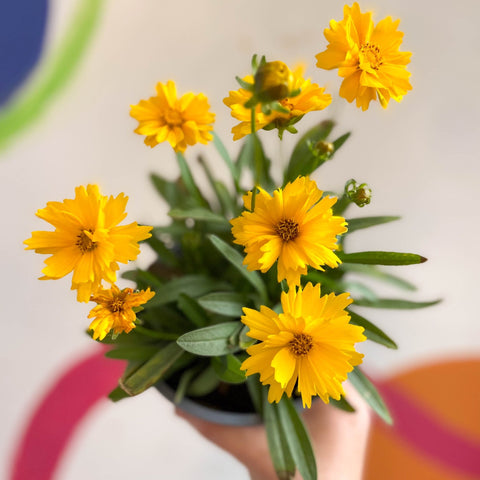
[55,72]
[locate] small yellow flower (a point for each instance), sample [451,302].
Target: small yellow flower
[310,98]
[367,57]
[311,342]
[295,226]
[87,240]
[179,121]
[114,310]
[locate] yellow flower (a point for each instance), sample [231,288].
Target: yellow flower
[87,239]
[179,121]
[312,341]
[295,226]
[311,98]
[367,57]
[115,310]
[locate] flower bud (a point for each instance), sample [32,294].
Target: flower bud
[324,148]
[273,81]
[358,194]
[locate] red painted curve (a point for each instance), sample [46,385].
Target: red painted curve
[428,436]
[60,412]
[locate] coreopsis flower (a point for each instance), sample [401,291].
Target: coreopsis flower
[311,98]
[115,310]
[87,239]
[180,121]
[367,57]
[311,344]
[294,226]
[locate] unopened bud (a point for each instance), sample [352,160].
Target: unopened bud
[273,81]
[358,194]
[324,148]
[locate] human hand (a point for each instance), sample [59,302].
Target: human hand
[339,440]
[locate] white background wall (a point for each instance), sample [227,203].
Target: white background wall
[420,157]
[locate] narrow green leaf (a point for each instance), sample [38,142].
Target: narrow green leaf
[342,404]
[118,394]
[253,157]
[201,214]
[183,384]
[165,254]
[366,389]
[236,259]
[277,442]
[395,303]
[224,303]
[372,332]
[297,439]
[195,285]
[189,181]
[374,272]
[381,258]
[228,161]
[303,160]
[227,367]
[151,371]
[174,193]
[340,141]
[193,311]
[140,353]
[204,383]
[211,341]
[365,222]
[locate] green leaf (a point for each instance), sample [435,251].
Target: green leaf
[342,404]
[340,141]
[151,371]
[365,222]
[297,439]
[236,259]
[140,353]
[372,332]
[192,310]
[117,394]
[277,442]
[374,272]
[227,368]
[211,341]
[200,214]
[253,156]
[204,383]
[174,193]
[165,254]
[366,389]
[189,181]
[195,285]
[303,161]
[228,161]
[224,303]
[395,303]
[184,383]
[381,258]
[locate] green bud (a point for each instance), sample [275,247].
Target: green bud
[358,194]
[273,81]
[324,148]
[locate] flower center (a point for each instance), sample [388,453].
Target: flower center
[301,344]
[287,104]
[173,118]
[84,243]
[287,229]
[116,305]
[371,54]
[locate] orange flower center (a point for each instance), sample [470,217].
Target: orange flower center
[301,344]
[173,118]
[287,229]
[84,242]
[117,304]
[371,54]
